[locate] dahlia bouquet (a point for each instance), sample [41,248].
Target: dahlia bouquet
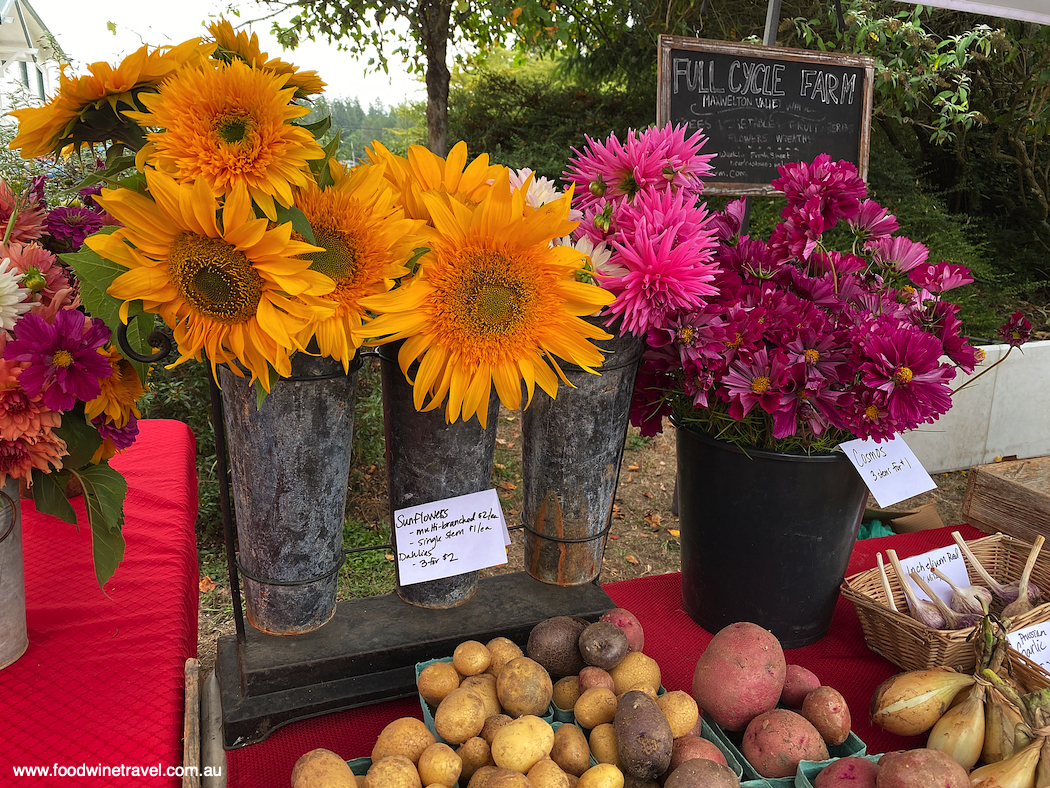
[832,328]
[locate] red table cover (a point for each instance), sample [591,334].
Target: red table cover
[102,681]
[841,659]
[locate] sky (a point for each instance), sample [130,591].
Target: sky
[81,29]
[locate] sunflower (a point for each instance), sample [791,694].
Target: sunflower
[120,392]
[91,108]
[491,304]
[228,289]
[239,46]
[231,126]
[367,240]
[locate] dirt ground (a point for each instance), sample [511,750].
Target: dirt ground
[644,535]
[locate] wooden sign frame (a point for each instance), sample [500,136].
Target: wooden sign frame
[762,106]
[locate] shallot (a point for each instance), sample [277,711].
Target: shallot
[967,599]
[1008,592]
[922,611]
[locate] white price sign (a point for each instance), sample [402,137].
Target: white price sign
[449,537]
[948,560]
[1032,641]
[890,469]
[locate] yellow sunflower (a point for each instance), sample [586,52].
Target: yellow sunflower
[120,392]
[491,304]
[91,108]
[231,125]
[234,289]
[366,240]
[239,46]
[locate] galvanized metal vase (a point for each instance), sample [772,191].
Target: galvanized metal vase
[572,447]
[290,463]
[14,639]
[428,460]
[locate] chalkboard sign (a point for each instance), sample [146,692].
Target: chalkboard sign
[763,106]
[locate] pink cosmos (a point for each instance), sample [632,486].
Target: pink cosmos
[727,223]
[805,399]
[63,362]
[868,416]
[755,381]
[649,406]
[905,365]
[940,277]
[1016,331]
[873,221]
[940,318]
[898,254]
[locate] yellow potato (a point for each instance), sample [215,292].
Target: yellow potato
[322,768]
[604,775]
[519,744]
[460,716]
[406,736]
[471,658]
[475,754]
[493,724]
[595,707]
[503,650]
[393,771]
[566,692]
[436,681]
[547,774]
[636,669]
[485,685]
[603,744]
[571,751]
[524,687]
[680,710]
[506,778]
[439,764]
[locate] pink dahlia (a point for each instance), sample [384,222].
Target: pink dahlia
[42,273]
[29,223]
[835,187]
[20,456]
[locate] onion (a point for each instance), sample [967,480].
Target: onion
[1017,771]
[1005,731]
[911,703]
[959,733]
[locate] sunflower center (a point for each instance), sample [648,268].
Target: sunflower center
[214,278]
[902,375]
[62,358]
[812,356]
[490,301]
[496,304]
[341,257]
[760,385]
[232,128]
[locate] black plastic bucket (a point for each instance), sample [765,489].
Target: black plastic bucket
[766,537]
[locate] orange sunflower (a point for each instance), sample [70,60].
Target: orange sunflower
[230,125]
[367,240]
[230,287]
[491,304]
[239,46]
[91,108]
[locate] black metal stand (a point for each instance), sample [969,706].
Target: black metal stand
[367,653]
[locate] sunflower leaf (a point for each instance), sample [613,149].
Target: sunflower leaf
[298,219]
[81,437]
[319,128]
[104,493]
[50,498]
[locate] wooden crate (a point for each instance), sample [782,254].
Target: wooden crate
[1012,497]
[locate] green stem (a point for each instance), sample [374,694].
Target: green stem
[987,369]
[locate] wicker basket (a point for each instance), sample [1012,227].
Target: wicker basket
[911,645]
[1032,676]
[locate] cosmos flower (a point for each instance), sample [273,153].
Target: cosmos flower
[756,381]
[1016,331]
[905,365]
[941,277]
[898,254]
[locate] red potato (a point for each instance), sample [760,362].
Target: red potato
[827,710]
[740,675]
[702,773]
[592,676]
[777,740]
[921,768]
[798,683]
[849,772]
[628,622]
[688,748]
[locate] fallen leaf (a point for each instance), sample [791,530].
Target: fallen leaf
[618,515]
[662,462]
[674,532]
[630,559]
[647,494]
[206,584]
[513,512]
[633,466]
[501,442]
[508,486]
[510,418]
[613,536]
[500,466]
[653,518]
[388,557]
[510,445]
[616,507]
[629,479]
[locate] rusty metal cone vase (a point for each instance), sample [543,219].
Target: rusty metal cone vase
[290,463]
[572,447]
[429,460]
[14,639]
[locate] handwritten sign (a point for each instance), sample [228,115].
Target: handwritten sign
[1032,641]
[890,469]
[948,560]
[449,537]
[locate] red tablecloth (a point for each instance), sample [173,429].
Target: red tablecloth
[102,681]
[841,659]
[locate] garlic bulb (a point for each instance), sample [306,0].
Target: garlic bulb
[952,620]
[1023,603]
[922,611]
[967,599]
[1007,592]
[911,703]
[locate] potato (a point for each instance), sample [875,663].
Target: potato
[519,744]
[740,675]
[554,643]
[775,741]
[506,778]
[571,751]
[689,748]
[798,683]
[566,692]
[921,768]
[471,658]
[406,736]
[603,644]
[493,724]
[439,764]
[547,774]
[485,685]
[436,681]
[480,778]
[460,716]
[604,775]
[393,771]
[322,768]
[628,622]
[592,676]
[635,668]
[849,772]
[474,753]
[680,710]
[603,744]
[524,688]
[595,706]
[827,710]
[643,735]
[503,650]
[702,773]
